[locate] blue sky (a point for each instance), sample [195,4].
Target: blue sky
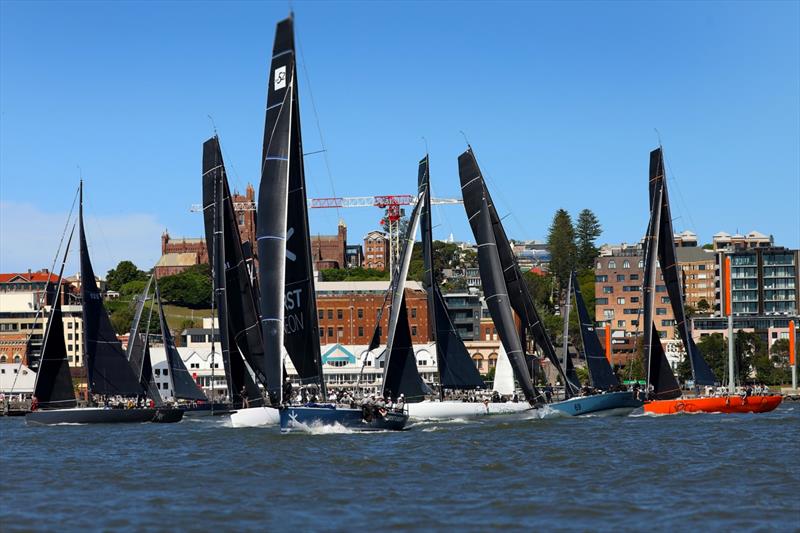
[559,100]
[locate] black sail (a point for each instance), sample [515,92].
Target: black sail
[456,368]
[184,386]
[659,373]
[148,380]
[107,368]
[703,375]
[400,373]
[53,387]
[474,190]
[600,370]
[241,308]
[497,300]
[288,301]
[137,343]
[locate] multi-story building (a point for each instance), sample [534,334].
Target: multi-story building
[685,239]
[464,309]
[726,241]
[764,281]
[618,294]
[330,251]
[697,267]
[769,328]
[376,250]
[354,255]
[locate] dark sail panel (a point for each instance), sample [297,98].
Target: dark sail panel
[599,368]
[283,229]
[242,310]
[497,300]
[148,380]
[53,387]
[107,368]
[456,368]
[473,190]
[665,386]
[703,375]
[402,375]
[137,343]
[183,385]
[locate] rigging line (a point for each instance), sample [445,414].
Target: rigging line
[684,204]
[319,128]
[238,182]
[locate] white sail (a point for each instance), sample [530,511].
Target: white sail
[503,375]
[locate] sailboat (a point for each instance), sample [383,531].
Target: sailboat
[234,297]
[456,369]
[665,395]
[286,282]
[108,370]
[607,399]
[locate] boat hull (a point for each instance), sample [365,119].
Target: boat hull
[433,410]
[204,409]
[729,404]
[99,415]
[252,417]
[607,404]
[311,418]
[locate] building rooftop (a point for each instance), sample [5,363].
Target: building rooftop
[692,254]
[28,277]
[380,286]
[174,259]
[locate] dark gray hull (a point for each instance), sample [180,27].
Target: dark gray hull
[309,418]
[97,415]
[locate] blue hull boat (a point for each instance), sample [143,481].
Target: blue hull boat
[329,416]
[606,404]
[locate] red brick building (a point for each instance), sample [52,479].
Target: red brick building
[376,250]
[329,251]
[347,311]
[13,347]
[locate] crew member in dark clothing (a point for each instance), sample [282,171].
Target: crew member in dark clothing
[245,401]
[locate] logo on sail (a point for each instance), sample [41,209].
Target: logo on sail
[279,80]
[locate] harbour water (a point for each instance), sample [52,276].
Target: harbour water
[693,472]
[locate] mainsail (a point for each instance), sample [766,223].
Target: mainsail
[474,190]
[53,387]
[400,374]
[183,385]
[456,368]
[703,375]
[600,370]
[137,343]
[497,300]
[286,278]
[659,373]
[241,308]
[107,368]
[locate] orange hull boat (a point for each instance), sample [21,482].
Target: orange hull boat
[729,404]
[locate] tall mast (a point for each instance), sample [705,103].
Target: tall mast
[566,324]
[648,290]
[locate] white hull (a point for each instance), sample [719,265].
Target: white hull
[428,410]
[255,417]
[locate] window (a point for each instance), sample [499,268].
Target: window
[665,299]
[360,331]
[641,263]
[413,330]
[608,314]
[661,288]
[620,323]
[661,311]
[634,299]
[626,264]
[320,314]
[69,336]
[321,332]
[330,314]
[608,289]
[601,301]
[634,322]
[633,277]
[69,325]
[157,371]
[17,359]
[601,279]
[339,332]
[330,332]
[620,277]
[360,313]
[413,312]
[197,338]
[3,358]
[621,301]
[599,265]
[667,322]
[612,264]
[339,314]
[166,372]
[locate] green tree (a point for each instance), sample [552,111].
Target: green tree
[587,230]
[124,272]
[702,306]
[191,288]
[561,243]
[132,289]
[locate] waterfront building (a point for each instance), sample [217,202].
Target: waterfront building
[16,378]
[376,250]
[697,266]
[769,328]
[618,295]
[330,251]
[464,309]
[725,241]
[764,281]
[685,239]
